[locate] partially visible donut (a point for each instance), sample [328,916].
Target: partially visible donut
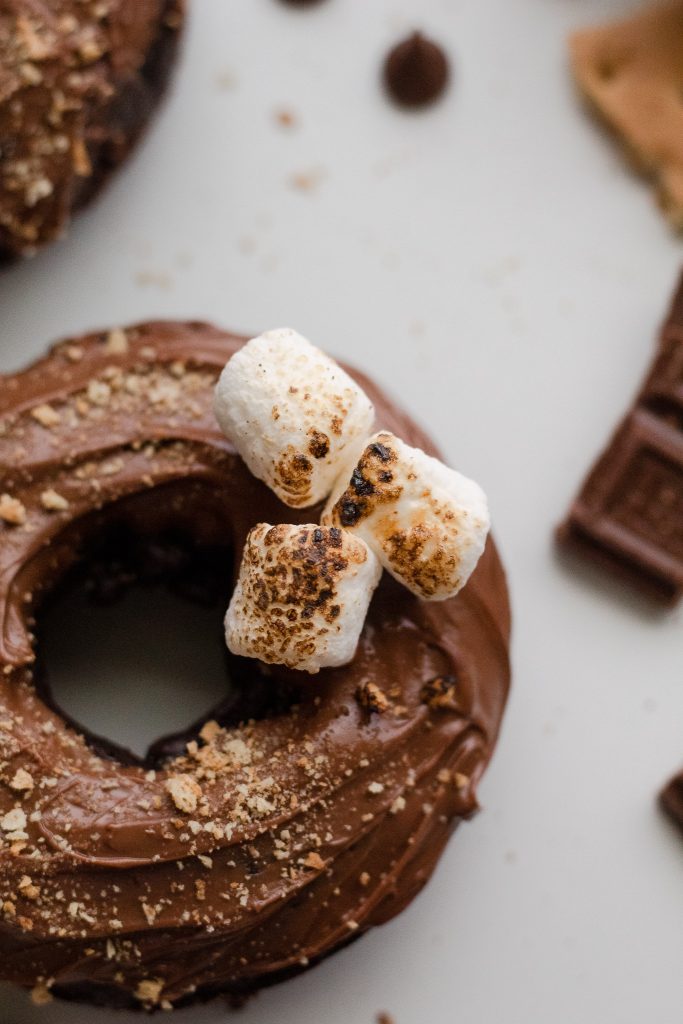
[314,808]
[79,80]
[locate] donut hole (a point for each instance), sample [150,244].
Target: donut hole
[130,642]
[152,663]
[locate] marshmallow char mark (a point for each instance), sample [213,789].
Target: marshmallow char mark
[373,484]
[426,523]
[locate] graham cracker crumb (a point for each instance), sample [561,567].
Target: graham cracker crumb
[14,820]
[286,118]
[46,416]
[22,781]
[398,805]
[307,181]
[209,731]
[27,888]
[439,693]
[116,343]
[184,792]
[53,502]
[11,510]
[372,697]
[98,392]
[41,995]
[74,353]
[149,991]
[81,159]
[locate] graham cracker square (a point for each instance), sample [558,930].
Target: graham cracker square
[632,73]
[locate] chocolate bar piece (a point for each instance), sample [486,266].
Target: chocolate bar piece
[671,800]
[629,513]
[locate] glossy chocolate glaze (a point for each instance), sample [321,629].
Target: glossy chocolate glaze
[307,825]
[78,82]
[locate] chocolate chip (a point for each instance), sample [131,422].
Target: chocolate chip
[671,800]
[416,71]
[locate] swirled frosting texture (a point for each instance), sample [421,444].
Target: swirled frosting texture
[260,847]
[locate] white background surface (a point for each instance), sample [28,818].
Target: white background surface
[495,265]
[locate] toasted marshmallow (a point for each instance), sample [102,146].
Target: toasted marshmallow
[301,596]
[426,523]
[292,414]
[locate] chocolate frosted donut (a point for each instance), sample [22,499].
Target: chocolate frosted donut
[78,82]
[295,816]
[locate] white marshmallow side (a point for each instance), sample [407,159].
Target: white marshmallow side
[426,523]
[301,596]
[292,414]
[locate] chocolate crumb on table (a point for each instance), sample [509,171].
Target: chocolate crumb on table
[631,71]
[629,513]
[416,71]
[671,800]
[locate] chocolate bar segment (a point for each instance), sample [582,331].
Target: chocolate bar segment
[671,800]
[629,513]
[663,388]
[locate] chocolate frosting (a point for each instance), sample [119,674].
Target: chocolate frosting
[78,81]
[276,833]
